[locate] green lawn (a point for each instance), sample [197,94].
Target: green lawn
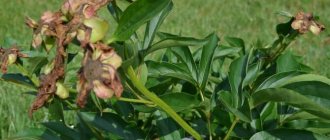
[250,20]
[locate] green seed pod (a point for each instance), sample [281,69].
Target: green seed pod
[99,28]
[61,91]
[11,59]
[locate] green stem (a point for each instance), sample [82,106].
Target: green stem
[135,100]
[231,128]
[154,98]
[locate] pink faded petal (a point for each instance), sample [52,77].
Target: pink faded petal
[101,90]
[47,17]
[89,11]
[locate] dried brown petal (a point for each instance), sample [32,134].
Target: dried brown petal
[31,23]
[306,22]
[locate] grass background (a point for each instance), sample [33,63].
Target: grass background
[247,19]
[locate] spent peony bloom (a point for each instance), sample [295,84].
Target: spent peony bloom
[304,22]
[8,57]
[99,72]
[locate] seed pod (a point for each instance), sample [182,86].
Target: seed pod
[61,91]
[99,28]
[11,59]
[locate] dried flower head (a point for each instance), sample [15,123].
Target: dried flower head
[304,22]
[99,72]
[8,57]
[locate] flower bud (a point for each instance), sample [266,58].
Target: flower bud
[61,91]
[99,28]
[11,59]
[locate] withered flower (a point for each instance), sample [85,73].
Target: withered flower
[8,57]
[304,22]
[63,26]
[99,72]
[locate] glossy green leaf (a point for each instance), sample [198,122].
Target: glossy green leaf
[34,64]
[55,109]
[180,101]
[64,131]
[237,73]
[206,60]
[175,41]
[154,24]
[228,100]
[277,80]
[131,20]
[223,51]
[236,42]
[166,127]
[170,70]
[35,134]
[112,123]
[185,56]
[287,134]
[18,79]
[317,91]
[289,97]
[252,73]
[288,62]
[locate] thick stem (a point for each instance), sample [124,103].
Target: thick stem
[154,98]
[135,100]
[231,128]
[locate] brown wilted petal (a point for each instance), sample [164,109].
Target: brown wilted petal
[48,17]
[306,22]
[8,57]
[31,23]
[37,40]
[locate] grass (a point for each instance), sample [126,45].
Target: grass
[250,20]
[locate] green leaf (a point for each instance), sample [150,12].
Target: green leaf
[287,134]
[112,123]
[35,133]
[290,97]
[166,127]
[206,60]
[64,131]
[227,99]
[184,55]
[180,101]
[34,64]
[131,20]
[237,73]
[175,41]
[284,29]
[18,79]
[56,110]
[320,127]
[154,24]
[277,80]
[223,51]
[288,62]
[236,42]
[157,69]
[252,73]
[315,87]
